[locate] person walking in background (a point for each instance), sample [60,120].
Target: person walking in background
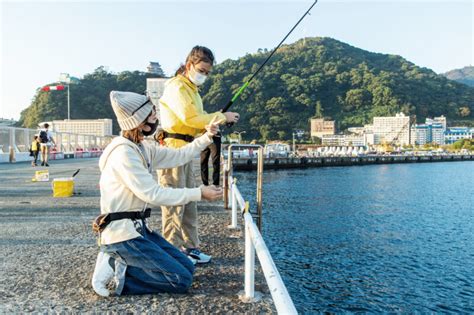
[214,152]
[183,118]
[34,150]
[140,260]
[46,141]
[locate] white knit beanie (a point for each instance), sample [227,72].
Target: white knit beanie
[125,103]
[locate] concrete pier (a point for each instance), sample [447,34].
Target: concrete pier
[48,252]
[244,164]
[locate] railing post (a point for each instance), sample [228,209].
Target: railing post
[12,146]
[234,204]
[281,298]
[249,265]
[259,187]
[226,187]
[229,174]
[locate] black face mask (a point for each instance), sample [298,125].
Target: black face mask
[153,127]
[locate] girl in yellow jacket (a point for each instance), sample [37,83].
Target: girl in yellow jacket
[183,118]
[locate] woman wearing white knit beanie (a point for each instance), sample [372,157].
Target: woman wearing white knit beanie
[141,261]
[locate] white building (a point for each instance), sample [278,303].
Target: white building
[155,68]
[344,140]
[321,127]
[277,150]
[392,130]
[437,120]
[432,131]
[369,139]
[356,130]
[95,127]
[429,133]
[154,89]
[332,140]
[457,133]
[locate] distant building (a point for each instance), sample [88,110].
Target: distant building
[277,149]
[437,120]
[429,133]
[457,133]
[432,131]
[332,140]
[155,68]
[321,127]
[95,127]
[369,137]
[390,130]
[356,130]
[344,140]
[154,89]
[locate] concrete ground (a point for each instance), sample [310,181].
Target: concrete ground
[48,252]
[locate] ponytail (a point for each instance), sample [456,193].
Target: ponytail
[180,70]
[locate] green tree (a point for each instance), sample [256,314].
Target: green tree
[89,98]
[464,111]
[322,77]
[319,110]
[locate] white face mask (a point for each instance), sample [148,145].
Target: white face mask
[196,77]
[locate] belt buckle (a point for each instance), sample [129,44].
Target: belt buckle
[138,226]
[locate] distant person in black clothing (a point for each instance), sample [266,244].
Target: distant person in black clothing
[46,142]
[214,151]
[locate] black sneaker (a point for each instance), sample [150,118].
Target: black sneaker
[197,255]
[42,163]
[46,164]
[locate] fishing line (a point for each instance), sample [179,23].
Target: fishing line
[244,86]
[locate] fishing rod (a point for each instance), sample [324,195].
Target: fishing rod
[244,86]
[68,171]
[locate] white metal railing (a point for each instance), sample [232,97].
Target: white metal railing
[254,242]
[15,143]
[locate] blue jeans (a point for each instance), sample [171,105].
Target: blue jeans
[149,264]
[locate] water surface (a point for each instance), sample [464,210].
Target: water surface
[396,238]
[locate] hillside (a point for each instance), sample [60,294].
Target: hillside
[89,98]
[464,75]
[311,77]
[322,76]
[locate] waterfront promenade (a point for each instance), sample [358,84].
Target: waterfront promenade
[49,251]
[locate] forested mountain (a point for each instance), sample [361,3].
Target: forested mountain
[322,76]
[464,75]
[311,77]
[89,98]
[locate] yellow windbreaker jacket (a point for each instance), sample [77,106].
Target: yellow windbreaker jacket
[181,110]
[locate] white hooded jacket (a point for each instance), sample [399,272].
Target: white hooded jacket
[126,183]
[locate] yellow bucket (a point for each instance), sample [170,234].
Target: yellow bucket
[63,187]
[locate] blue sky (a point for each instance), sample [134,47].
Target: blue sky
[41,39]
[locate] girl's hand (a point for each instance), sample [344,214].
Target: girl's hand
[231,117]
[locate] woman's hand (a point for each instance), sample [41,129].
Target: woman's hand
[213,127]
[211,193]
